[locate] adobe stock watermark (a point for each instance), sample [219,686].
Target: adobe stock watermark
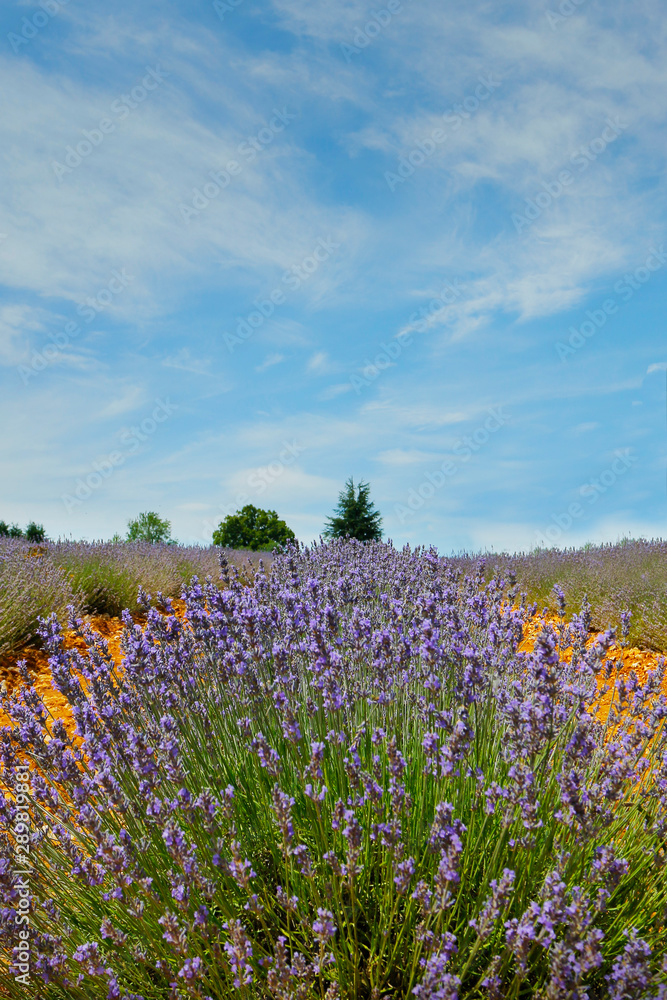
[103,469]
[88,310]
[385,358]
[21,875]
[591,491]
[258,482]
[566,9]
[454,119]
[122,107]
[581,158]
[293,279]
[31,27]
[248,150]
[625,288]
[464,449]
[421,319]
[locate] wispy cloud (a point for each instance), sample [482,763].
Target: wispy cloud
[184,361]
[269,362]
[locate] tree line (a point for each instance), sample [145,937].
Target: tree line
[355,516]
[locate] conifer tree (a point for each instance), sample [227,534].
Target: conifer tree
[355,515]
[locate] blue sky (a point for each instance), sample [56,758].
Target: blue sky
[250,249]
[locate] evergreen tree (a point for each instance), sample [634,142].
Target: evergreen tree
[253,528]
[355,516]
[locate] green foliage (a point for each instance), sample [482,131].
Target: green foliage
[148,527]
[35,532]
[253,528]
[10,530]
[356,516]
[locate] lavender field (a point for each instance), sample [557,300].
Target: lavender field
[104,578]
[96,578]
[630,575]
[342,781]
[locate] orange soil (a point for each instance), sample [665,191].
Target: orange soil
[641,661]
[38,666]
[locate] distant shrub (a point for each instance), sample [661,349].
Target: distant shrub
[35,532]
[253,528]
[148,527]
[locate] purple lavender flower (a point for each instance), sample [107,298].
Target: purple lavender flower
[291,903]
[437,983]
[403,875]
[324,927]
[495,904]
[89,956]
[192,969]
[239,952]
[268,757]
[282,811]
[631,973]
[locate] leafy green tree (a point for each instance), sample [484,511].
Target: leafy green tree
[148,527]
[253,528]
[35,532]
[4,529]
[355,516]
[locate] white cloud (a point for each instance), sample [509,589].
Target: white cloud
[332,391]
[17,324]
[321,364]
[121,207]
[183,360]
[132,398]
[270,361]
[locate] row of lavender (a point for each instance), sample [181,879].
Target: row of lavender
[344,782]
[99,578]
[104,578]
[628,575]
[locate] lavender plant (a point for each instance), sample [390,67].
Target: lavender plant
[31,587]
[342,782]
